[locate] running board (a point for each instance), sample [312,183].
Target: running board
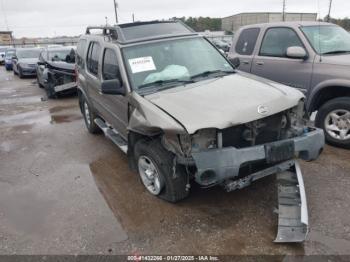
[293,224]
[112,134]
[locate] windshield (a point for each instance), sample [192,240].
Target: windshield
[328,39]
[28,53]
[10,53]
[176,61]
[61,55]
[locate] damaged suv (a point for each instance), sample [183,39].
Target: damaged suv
[181,112]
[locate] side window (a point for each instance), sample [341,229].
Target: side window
[247,40]
[277,40]
[110,68]
[80,52]
[93,57]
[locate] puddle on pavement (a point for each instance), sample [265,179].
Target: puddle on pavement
[57,109]
[59,119]
[211,220]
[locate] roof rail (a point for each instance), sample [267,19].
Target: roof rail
[106,30]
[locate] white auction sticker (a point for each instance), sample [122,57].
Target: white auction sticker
[142,64]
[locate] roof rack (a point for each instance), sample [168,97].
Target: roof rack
[106,30]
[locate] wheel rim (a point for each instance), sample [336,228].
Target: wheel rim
[87,113]
[150,175]
[337,124]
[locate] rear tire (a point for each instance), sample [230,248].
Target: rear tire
[89,117]
[174,181]
[334,118]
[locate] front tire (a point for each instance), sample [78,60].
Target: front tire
[334,118]
[20,73]
[158,173]
[89,117]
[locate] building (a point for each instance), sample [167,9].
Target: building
[234,22]
[5,37]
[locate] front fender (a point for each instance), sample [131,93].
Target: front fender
[313,94]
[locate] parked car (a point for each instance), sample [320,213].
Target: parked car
[179,110]
[25,61]
[2,54]
[310,56]
[56,70]
[221,45]
[8,58]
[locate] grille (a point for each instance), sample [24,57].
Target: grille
[259,132]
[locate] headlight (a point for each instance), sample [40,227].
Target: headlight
[204,140]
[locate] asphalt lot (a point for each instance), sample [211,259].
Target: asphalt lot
[64,191]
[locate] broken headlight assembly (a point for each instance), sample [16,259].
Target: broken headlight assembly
[203,140]
[295,120]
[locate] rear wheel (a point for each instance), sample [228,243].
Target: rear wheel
[158,173]
[334,118]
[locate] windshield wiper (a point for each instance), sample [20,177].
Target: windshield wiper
[166,82]
[337,52]
[214,72]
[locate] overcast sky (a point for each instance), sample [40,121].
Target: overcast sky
[70,17]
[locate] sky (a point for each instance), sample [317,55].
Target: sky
[34,18]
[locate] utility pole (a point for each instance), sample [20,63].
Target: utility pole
[115,10]
[133,17]
[329,11]
[284,11]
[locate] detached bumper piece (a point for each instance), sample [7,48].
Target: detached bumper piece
[292,207]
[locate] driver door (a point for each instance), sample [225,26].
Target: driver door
[272,62]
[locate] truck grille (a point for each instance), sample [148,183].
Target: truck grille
[258,132]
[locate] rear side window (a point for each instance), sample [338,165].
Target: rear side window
[277,40]
[93,57]
[80,52]
[110,69]
[247,40]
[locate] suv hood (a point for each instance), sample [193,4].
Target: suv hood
[28,60]
[340,59]
[224,102]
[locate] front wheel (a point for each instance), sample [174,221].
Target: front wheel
[334,118]
[89,117]
[158,172]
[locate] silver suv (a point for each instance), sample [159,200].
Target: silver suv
[310,56]
[181,112]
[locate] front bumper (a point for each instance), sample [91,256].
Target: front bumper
[218,165]
[29,71]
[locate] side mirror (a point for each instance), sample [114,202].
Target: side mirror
[112,87]
[235,62]
[296,52]
[14,57]
[40,63]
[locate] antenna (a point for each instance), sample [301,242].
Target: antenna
[284,11]
[329,11]
[115,10]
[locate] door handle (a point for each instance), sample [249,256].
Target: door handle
[260,63]
[245,62]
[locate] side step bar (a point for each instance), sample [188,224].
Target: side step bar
[112,134]
[293,224]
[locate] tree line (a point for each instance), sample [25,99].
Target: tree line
[200,24]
